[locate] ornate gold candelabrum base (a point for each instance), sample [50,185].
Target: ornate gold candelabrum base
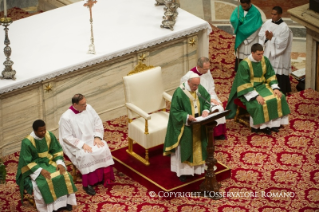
[170,14]
[8,72]
[159,2]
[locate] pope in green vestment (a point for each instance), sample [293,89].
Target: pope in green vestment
[191,138]
[43,154]
[259,77]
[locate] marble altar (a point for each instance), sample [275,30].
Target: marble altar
[49,51]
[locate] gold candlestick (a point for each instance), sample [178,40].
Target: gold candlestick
[90,4]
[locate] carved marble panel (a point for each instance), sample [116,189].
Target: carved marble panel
[102,84]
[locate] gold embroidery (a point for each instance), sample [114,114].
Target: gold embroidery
[28,167]
[51,162]
[54,174]
[266,114]
[48,139]
[192,106]
[58,154]
[197,145]
[259,79]
[68,182]
[198,105]
[271,79]
[243,87]
[251,71]
[31,139]
[176,144]
[279,108]
[263,66]
[51,188]
[43,154]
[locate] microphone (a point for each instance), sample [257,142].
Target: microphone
[211,106]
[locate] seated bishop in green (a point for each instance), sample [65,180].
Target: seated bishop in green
[41,171]
[257,88]
[187,143]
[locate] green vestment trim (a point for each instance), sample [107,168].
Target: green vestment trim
[180,134]
[245,26]
[43,153]
[258,76]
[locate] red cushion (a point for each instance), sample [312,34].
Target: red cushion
[239,103]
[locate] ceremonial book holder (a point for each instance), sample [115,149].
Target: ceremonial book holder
[210,185]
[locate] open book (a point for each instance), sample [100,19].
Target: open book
[299,74]
[201,118]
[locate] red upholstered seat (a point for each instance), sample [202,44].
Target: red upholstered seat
[242,115]
[239,103]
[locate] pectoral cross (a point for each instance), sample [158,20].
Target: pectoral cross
[90,4]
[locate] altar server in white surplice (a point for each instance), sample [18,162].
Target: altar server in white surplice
[276,37]
[81,136]
[207,81]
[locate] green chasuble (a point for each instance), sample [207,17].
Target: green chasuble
[192,139]
[258,76]
[43,153]
[245,26]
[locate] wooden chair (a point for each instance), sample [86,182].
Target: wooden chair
[74,171]
[242,116]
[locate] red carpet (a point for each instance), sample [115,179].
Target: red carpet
[155,176]
[287,161]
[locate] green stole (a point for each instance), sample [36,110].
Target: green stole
[43,153]
[258,76]
[245,26]
[192,139]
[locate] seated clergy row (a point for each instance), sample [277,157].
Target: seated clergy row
[255,85]
[41,168]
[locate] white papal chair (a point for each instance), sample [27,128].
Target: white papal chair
[146,108]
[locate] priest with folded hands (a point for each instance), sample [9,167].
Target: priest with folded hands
[81,136]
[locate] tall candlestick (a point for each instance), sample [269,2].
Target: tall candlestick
[5,8]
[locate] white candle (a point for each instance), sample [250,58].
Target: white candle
[5,8]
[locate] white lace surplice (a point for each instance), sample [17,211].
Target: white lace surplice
[77,129]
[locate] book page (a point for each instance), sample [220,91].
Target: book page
[299,73]
[201,118]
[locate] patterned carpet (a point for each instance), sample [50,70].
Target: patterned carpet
[269,173]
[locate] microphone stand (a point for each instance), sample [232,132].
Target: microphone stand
[211,106]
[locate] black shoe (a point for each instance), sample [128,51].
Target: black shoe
[89,190]
[266,130]
[69,207]
[182,178]
[275,129]
[253,130]
[221,137]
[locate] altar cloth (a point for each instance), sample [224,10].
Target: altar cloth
[56,42]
